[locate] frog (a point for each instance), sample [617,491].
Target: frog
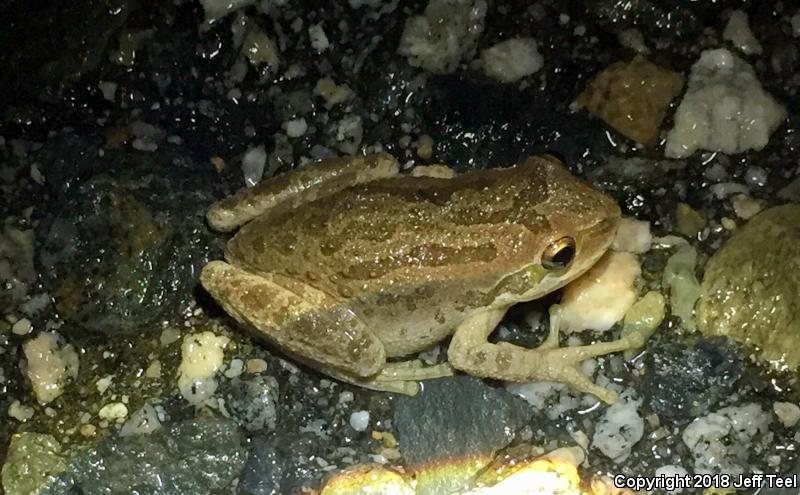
[750,291]
[353,267]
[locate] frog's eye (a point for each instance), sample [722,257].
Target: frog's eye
[559,254]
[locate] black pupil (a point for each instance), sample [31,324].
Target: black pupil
[563,256]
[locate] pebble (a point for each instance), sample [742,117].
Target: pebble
[116,411]
[788,413]
[22,327]
[256,365]
[20,412]
[295,128]
[359,420]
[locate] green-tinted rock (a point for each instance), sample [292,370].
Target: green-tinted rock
[33,462]
[751,287]
[683,286]
[201,455]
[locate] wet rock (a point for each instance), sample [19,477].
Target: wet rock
[725,440]
[275,466]
[196,456]
[122,247]
[368,480]
[17,272]
[33,462]
[684,381]
[251,401]
[632,97]
[447,32]
[263,472]
[84,30]
[751,287]
[725,109]
[459,418]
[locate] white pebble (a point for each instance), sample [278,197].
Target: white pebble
[319,40]
[671,471]
[253,163]
[295,128]
[115,411]
[788,413]
[738,32]
[108,88]
[633,236]
[359,420]
[20,412]
[619,429]
[22,327]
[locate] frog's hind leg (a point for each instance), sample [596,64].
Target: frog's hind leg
[313,328]
[302,321]
[299,186]
[471,352]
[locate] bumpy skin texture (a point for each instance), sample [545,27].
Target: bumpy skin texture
[389,267]
[751,287]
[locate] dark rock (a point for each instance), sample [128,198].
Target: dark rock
[685,381]
[124,244]
[197,456]
[459,418]
[61,43]
[251,401]
[263,473]
[279,463]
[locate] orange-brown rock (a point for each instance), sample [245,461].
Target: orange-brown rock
[632,97]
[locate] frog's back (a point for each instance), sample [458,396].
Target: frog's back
[407,230]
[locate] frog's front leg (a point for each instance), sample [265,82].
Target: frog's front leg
[471,352]
[299,186]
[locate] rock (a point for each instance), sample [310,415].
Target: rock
[633,236]
[33,462]
[125,240]
[684,289]
[512,59]
[49,63]
[275,465]
[600,297]
[751,287]
[725,109]
[17,272]
[632,97]
[260,49]
[723,441]
[200,455]
[738,32]
[251,401]
[201,357]
[554,472]
[688,221]
[263,473]
[50,363]
[788,413]
[683,381]
[455,418]
[216,9]
[444,35]
[619,428]
[367,480]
